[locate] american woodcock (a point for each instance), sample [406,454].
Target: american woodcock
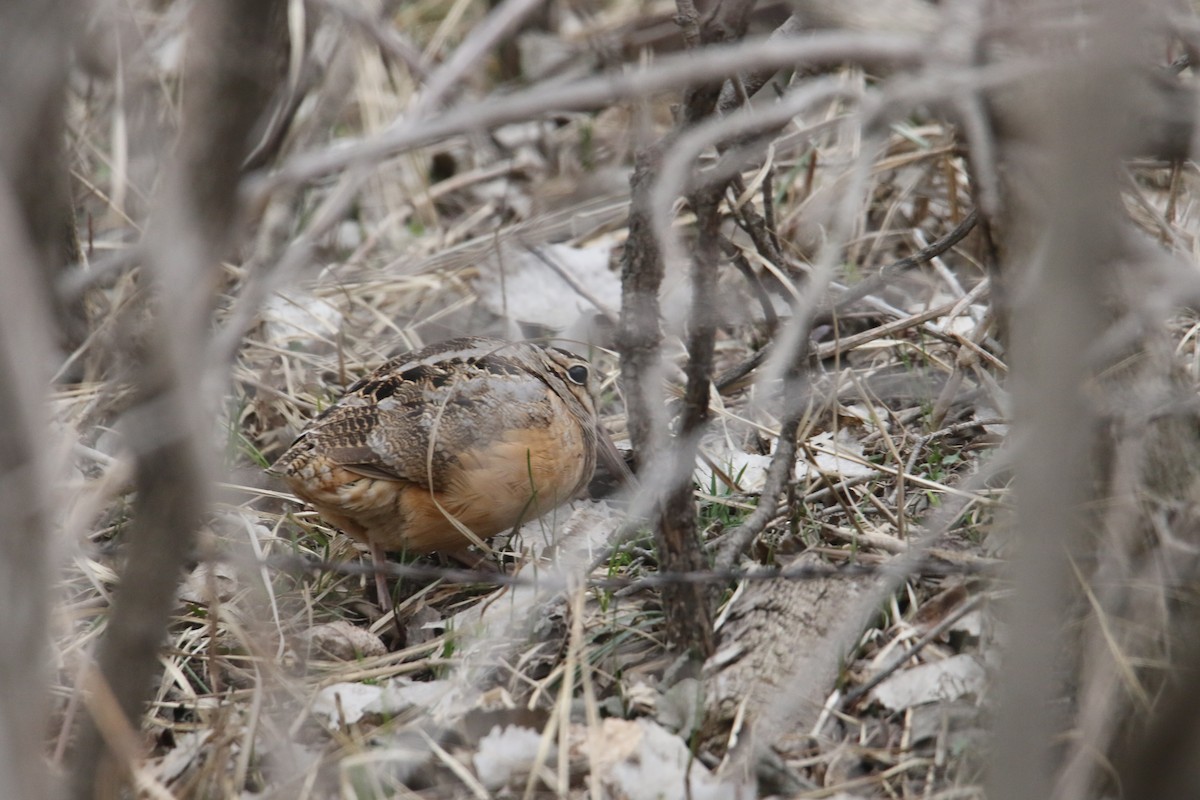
[449,445]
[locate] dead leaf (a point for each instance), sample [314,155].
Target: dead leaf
[347,703]
[188,748]
[748,470]
[343,641]
[208,582]
[297,316]
[524,286]
[938,607]
[505,755]
[839,457]
[950,679]
[640,760]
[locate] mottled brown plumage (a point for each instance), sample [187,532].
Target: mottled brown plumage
[450,445]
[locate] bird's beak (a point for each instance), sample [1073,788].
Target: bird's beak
[611,458]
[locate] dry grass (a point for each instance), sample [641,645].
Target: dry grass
[905,390]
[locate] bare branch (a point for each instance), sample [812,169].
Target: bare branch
[34,44]
[231,75]
[668,74]
[1064,221]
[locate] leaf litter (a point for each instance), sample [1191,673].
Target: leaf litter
[281,674]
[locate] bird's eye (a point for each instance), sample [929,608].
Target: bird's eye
[578,374]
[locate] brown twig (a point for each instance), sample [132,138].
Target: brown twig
[901,659]
[779,473]
[928,566]
[688,609]
[747,84]
[638,337]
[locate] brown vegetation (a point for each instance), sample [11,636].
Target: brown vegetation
[825,255]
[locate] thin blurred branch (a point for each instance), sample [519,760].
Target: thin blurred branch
[1065,221]
[36,40]
[230,75]
[667,74]
[34,211]
[505,18]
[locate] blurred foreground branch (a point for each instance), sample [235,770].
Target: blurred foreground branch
[229,78]
[34,42]
[1092,596]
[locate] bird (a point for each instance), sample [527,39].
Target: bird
[445,447]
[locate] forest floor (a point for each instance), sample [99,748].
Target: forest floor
[281,676]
